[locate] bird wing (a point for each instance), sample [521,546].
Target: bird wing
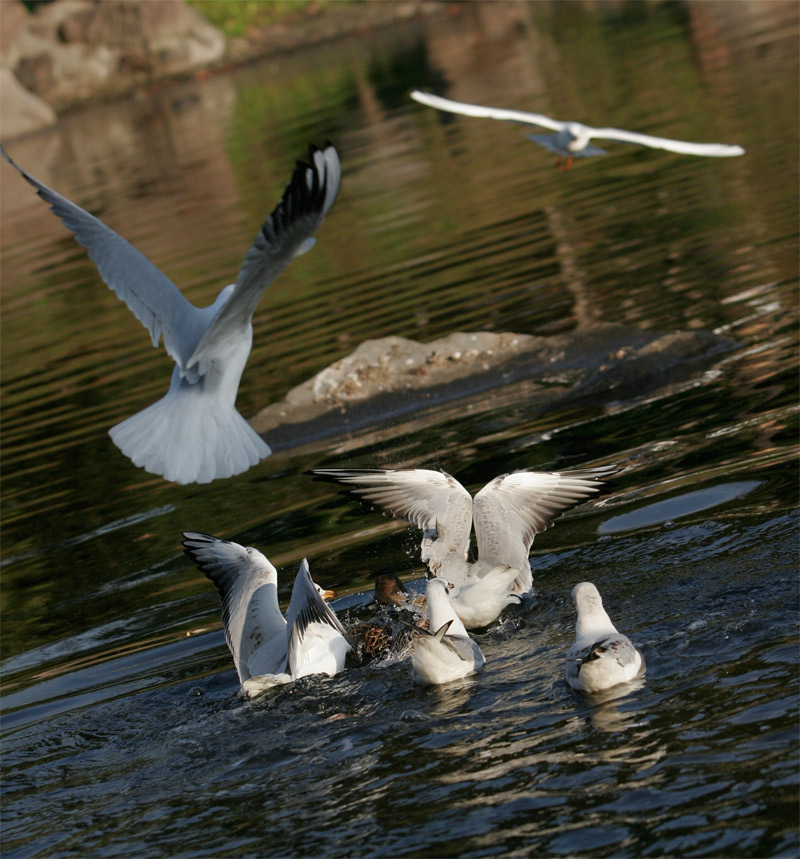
[247,584]
[152,297]
[614,646]
[478,110]
[432,500]
[718,150]
[308,610]
[513,508]
[286,234]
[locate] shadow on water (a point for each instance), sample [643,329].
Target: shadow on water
[122,727]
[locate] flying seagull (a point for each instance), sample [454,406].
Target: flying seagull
[507,514]
[571,139]
[601,657]
[194,433]
[445,652]
[266,648]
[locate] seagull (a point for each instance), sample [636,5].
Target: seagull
[571,139]
[268,649]
[448,653]
[194,433]
[507,514]
[601,657]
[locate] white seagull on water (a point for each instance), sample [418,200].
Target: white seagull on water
[601,657]
[194,433]
[268,649]
[445,652]
[571,139]
[507,514]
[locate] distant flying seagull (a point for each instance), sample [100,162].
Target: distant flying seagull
[571,139]
[601,657]
[194,434]
[507,514]
[268,649]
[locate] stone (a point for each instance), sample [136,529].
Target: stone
[23,112]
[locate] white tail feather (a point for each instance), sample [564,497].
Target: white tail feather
[190,436]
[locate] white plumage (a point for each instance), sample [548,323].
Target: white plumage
[446,652]
[601,657]
[194,433]
[507,514]
[266,648]
[571,139]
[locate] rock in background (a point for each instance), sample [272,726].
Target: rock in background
[70,50]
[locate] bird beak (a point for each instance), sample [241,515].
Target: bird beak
[329,595]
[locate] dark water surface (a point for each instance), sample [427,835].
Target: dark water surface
[122,731]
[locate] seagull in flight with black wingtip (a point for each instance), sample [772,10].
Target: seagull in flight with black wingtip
[194,434]
[267,648]
[507,514]
[571,139]
[601,657]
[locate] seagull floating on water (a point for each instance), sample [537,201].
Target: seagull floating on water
[601,657]
[446,652]
[571,139]
[507,514]
[268,649]
[194,433]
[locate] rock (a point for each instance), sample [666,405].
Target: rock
[73,49]
[385,379]
[23,112]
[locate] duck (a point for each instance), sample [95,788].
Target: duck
[507,514]
[267,648]
[194,434]
[601,657]
[444,652]
[571,139]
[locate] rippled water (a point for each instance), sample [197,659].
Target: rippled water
[122,731]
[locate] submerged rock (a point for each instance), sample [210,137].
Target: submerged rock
[393,376]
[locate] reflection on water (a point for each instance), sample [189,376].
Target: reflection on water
[122,725]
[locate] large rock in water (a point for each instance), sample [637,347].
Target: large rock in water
[386,379]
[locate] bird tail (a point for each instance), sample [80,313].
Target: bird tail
[190,436]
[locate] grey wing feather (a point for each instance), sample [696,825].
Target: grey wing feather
[244,590]
[286,234]
[152,297]
[718,150]
[432,500]
[479,110]
[306,607]
[512,509]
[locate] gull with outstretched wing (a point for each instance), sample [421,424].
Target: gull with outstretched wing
[571,139]
[507,514]
[194,433]
[267,648]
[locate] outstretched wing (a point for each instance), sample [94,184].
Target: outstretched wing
[478,110]
[512,509]
[286,234]
[431,500]
[152,297]
[317,640]
[717,150]
[247,585]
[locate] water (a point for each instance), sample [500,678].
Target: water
[122,730]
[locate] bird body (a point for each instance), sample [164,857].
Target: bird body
[601,657]
[194,433]
[572,139]
[446,652]
[310,640]
[506,514]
